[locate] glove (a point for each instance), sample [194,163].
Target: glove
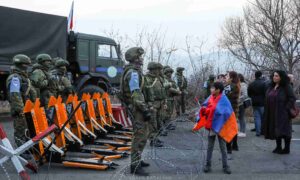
[147,115]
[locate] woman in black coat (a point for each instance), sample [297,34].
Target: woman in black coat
[277,121]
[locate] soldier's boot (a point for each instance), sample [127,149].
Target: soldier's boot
[172,127]
[144,164]
[154,143]
[163,133]
[159,141]
[138,170]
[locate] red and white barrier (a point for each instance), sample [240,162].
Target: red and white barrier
[14,154]
[120,115]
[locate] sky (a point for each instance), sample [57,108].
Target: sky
[201,18]
[179,18]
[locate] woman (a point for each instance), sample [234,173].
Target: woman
[277,121]
[243,97]
[232,91]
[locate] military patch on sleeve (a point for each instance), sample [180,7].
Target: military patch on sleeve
[134,81]
[15,85]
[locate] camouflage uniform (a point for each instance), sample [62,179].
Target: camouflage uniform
[182,84]
[131,89]
[172,91]
[155,97]
[59,83]
[40,78]
[19,90]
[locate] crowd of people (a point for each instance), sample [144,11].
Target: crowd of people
[151,99]
[273,104]
[46,78]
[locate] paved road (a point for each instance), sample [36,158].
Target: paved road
[183,157]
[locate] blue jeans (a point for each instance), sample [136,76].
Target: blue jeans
[258,112]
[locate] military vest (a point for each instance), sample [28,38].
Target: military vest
[154,88]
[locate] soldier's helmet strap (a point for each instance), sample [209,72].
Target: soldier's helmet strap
[29,87]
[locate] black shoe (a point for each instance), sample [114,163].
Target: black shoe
[253,130]
[257,135]
[226,170]
[235,148]
[144,164]
[277,151]
[137,170]
[171,128]
[284,151]
[207,169]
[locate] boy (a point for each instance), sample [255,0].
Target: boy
[207,116]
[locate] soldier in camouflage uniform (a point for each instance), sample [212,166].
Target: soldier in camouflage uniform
[182,84]
[60,85]
[172,92]
[40,77]
[155,97]
[19,90]
[132,97]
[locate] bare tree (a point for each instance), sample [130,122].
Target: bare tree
[267,36]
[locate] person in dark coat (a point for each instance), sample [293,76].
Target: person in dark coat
[277,121]
[232,91]
[256,91]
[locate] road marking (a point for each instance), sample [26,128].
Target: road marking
[295,139]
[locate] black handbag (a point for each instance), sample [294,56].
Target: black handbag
[247,103]
[294,111]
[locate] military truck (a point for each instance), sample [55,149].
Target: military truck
[95,61]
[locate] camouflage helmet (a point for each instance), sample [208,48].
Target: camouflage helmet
[154,65]
[133,53]
[21,59]
[61,62]
[43,57]
[168,70]
[180,69]
[166,67]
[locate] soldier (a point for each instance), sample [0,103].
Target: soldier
[40,77]
[155,97]
[131,90]
[172,92]
[19,90]
[60,85]
[182,84]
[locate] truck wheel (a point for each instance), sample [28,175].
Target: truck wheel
[90,89]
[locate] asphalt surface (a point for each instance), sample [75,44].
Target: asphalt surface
[183,157]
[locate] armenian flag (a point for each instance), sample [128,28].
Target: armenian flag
[218,115]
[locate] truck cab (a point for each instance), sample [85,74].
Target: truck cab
[95,62]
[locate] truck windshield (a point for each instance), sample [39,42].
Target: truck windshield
[107,51]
